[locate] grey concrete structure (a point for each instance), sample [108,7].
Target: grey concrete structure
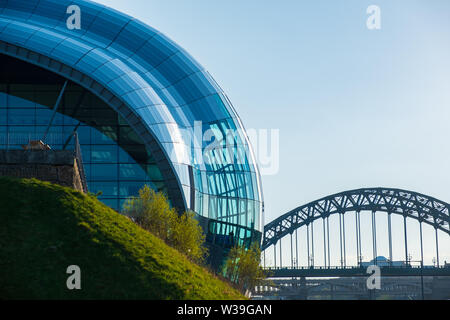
[55,166]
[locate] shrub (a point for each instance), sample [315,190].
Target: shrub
[187,237]
[243,266]
[152,211]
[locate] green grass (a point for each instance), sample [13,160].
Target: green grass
[44,228]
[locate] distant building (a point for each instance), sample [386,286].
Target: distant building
[383,262]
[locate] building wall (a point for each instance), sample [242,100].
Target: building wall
[54,166]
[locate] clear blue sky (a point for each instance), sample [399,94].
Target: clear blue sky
[355,108]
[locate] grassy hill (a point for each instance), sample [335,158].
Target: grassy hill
[44,228]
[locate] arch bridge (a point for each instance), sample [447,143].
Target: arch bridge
[408,204]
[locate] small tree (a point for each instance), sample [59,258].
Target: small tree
[187,236]
[243,266]
[232,263]
[152,212]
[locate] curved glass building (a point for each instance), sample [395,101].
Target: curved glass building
[145,111]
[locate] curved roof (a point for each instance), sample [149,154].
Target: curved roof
[155,84]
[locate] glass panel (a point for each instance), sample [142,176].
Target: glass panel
[132,172]
[3,115]
[106,172]
[128,189]
[104,154]
[108,189]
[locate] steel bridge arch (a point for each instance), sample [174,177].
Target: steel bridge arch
[410,204]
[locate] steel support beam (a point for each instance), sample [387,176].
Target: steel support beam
[307,245]
[340,239]
[360,257]
[406,240]
[55,108]
[281,256]
[275,255]
[343,238]
[328,240]
[296,247]
[312,244]
[324,243]
[374,237]
[437,247]
[390,237]
[292,254]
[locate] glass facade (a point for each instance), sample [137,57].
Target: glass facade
[116,161]
[137,100]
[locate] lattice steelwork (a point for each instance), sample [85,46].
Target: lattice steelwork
[410,204]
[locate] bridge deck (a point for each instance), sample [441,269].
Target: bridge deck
[355,272]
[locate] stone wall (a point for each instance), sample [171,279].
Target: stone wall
[55,166]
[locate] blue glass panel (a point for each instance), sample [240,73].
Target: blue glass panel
[3,24]
[3,135]
[18,33]
[142,98]
[106,25]
[127,83]
[3,119]
[98,137]
[70,51]
[50,12]
[124,157]
[18,102]
[132,37]
[55,135]
[110,70]
[20,8]
[21,116]
[148,77]
[132,172]
[155,51]
[176,98]
[43,117]
[158,114]
[106,172]
[104,154]
[153,172]
[130,189]
[84,134]
[93,60]
[183,117]
[89,13]
[85,152]
[108,189]
[45,41]
[176,68]
[167,133]
[183,173]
